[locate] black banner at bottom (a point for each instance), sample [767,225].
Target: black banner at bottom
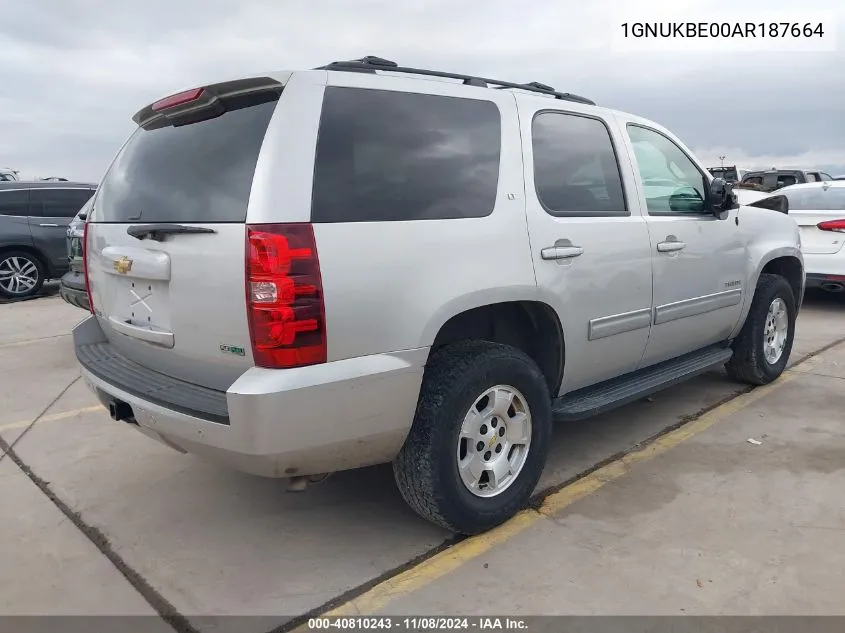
[425,624]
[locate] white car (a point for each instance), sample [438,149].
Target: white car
[819,210]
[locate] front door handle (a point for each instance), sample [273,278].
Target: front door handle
[671,246]
[561,252]
[48,224]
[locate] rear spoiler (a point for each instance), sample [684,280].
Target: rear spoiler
[205,102]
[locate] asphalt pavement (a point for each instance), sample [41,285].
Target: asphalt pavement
[99,519]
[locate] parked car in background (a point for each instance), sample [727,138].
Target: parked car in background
[773,179]
[72,284]
[8,175]
[747,195]
[730,173]
[819,210]
[319,270]
[34,217]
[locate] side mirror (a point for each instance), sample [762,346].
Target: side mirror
[722,198]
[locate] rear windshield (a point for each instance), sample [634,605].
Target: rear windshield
[201,172]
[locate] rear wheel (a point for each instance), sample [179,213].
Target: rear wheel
[480,437]
[21,274]
[762,348]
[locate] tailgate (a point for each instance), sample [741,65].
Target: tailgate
[166,237]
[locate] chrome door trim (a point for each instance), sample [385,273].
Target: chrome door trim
[696,305]
[619,324]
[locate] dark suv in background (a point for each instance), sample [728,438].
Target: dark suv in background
[34,219]
[72,287]
[774,179]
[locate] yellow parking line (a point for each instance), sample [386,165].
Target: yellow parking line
[64,415]
[448,560]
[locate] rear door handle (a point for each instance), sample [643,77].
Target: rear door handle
[561,252]
[670,247]
[48,224]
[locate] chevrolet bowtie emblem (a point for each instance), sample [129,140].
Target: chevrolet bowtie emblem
[123,265]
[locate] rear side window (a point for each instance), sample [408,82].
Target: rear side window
[575,168]
[200,172]
[816,199]
[58,203]
[14,203]
[392,156]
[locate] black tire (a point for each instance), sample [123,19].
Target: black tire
[426,468]
[749,363]
[39,267]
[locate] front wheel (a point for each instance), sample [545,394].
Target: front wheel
[479,439]
[764,344]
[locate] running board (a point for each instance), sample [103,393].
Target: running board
[619,391]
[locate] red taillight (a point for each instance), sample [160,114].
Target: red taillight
[178,99]
[832,225]
[85,266]
[284,294]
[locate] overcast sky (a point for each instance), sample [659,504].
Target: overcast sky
[72,72]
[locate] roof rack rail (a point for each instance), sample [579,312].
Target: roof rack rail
[371,64]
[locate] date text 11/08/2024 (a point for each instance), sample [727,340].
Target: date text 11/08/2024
[723,30]
[416,624]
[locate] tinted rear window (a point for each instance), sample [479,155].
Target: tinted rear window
[385,156]
[201,172]
[575,168]
[58,203]
[816,199]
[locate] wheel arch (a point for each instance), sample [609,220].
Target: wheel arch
[786,261]
[530,325]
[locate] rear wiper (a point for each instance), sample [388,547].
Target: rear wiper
[158,231]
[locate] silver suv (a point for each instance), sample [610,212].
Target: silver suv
[320,270]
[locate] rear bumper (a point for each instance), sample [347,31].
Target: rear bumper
[72,289]
[275,423]
[825,269]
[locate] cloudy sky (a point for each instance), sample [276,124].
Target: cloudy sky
[72,72]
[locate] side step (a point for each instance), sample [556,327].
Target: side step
[616,392]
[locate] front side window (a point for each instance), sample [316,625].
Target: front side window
[14,203]
[672,183]
[575,167]
[394,156]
